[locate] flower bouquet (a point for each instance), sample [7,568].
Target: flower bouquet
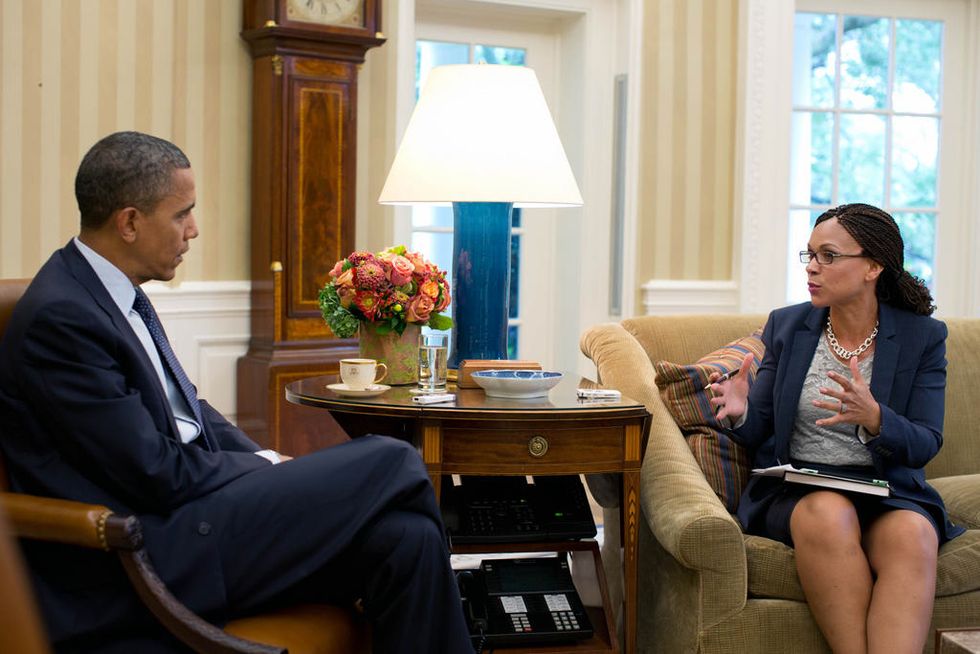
[387,296]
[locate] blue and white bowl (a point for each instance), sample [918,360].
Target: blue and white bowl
[517,384]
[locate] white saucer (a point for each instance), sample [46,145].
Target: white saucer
[368,391]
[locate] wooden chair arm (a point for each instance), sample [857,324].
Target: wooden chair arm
[97,527]
[74,523]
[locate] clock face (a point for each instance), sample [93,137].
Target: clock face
[349,13]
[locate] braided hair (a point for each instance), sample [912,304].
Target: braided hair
[879,237]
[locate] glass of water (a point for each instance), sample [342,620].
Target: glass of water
[433,359]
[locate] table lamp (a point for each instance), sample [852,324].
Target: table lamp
[482,139]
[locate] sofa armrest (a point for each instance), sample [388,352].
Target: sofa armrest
[683,512]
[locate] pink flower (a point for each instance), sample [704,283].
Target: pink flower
[337,268]
[418,261]
[420,308]
[370,275]
[401,270]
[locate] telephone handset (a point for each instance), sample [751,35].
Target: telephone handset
[523,601]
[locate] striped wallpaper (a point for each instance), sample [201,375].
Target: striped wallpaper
[687,140]
[72,71]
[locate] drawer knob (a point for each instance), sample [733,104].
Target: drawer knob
[537,446]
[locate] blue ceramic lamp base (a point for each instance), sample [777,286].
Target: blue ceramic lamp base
[481,280]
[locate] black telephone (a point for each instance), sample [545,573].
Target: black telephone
[511,510]
[523,602]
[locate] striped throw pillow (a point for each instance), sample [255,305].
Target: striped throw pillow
[725,463]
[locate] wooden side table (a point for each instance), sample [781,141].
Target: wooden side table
[481,435]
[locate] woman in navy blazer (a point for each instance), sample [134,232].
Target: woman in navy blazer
[852,381]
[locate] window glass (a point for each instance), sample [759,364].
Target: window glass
[814,86]
[515,275]
[915,151]
[919,233]
[864,63]
[862,159]
[812,163]
[918,57]
[488,54]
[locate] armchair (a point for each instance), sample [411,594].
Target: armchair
[311,628]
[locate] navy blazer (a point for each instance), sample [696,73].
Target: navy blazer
[908,380]
[83,416]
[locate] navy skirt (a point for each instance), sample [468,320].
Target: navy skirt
[868,507]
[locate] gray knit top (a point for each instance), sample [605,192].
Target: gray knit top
[835,445]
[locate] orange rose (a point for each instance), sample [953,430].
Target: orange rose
[420,308]
[430,288]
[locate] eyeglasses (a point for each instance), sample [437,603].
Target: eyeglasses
[825,258]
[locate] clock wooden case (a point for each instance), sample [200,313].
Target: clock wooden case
[306,55]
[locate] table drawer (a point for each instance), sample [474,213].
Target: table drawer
[592,448]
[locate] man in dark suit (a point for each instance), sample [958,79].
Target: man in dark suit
[94,407]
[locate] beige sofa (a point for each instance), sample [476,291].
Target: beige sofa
[704,586]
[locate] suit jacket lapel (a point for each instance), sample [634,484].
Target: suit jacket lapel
[887,350]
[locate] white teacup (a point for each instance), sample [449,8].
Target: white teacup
[358,374]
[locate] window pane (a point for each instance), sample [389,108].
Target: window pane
[812,164]
[862,159]
[515,217]
[814,60]
[918,64]
[512,342]
[919,234]
[915,151]
[515,276]
[864,63]
[429,54]
[428,216]
[488,54]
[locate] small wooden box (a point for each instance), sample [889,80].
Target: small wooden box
[467,367]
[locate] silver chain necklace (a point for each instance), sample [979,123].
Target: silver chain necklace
[847,354]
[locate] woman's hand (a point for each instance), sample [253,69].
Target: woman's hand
[731,396]
[852,404]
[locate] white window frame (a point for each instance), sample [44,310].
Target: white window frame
[765,54]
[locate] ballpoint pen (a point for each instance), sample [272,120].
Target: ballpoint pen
[726,376]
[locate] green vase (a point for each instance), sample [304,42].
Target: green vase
[399,352]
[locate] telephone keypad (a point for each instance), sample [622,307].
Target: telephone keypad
[565,620]
[520,622]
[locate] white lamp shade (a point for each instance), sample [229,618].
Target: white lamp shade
[481,133]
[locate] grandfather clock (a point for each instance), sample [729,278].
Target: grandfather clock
[306,55]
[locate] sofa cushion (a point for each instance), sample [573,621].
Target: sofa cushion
[772,568]
[725,463]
